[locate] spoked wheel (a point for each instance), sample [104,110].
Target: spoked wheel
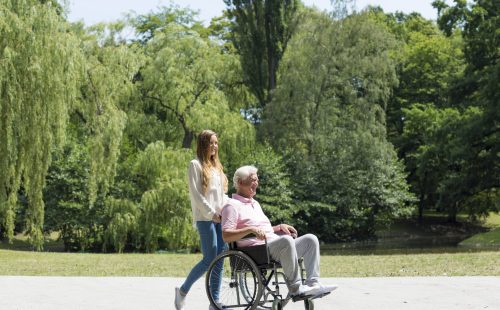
[309,304]
[247,285]
[233,281]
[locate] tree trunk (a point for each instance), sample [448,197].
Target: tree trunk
[271,65]
[188,138]
[452,214]
[421,206]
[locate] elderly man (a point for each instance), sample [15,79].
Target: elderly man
[242,215]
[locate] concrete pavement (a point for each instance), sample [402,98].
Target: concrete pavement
[124,293]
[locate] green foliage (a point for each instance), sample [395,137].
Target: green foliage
[115,178]
[260,32]
[428,62]
[122,222]
[275,194]
[40,69]
[454,152]
[180,83]
[327,115]
[66,194]
[109,73]
[165,205]
[146,25]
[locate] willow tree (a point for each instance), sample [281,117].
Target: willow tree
[110,68]
[165,211]
[183,81]
[80,179]
[40,70]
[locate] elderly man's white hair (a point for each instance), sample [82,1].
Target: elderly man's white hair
[242,173]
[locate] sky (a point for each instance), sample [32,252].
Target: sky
[94,11]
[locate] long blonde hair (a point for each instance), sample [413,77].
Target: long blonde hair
[207,160]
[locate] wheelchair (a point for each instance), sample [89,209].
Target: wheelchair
[251,280]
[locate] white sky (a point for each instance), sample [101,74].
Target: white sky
[94,11]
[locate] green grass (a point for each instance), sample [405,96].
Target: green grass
[486,239]
[18,259]
[491,238]
[26,263]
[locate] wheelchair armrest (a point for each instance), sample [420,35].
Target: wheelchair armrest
[233,245]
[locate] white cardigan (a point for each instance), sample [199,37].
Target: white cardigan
[204,206]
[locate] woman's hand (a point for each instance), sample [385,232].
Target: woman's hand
[216,218]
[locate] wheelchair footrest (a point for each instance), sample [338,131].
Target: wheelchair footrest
[320,296]
[311,297]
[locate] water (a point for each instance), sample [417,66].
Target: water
[405,245]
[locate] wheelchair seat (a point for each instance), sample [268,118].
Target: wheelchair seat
[259,254]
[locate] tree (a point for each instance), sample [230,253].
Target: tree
[66,194]
[147,25]
[427,136]
[39,78]
[261,31]
[181,83]
[165,209]
[327,119]
[477,176]
[110,68]
[428,62]
[275,193]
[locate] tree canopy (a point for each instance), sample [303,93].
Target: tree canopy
[40,70]
[354,119]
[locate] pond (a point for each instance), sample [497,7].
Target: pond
[403,245]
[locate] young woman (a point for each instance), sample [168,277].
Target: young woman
[207,188]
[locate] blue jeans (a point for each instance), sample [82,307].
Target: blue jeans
[211,246]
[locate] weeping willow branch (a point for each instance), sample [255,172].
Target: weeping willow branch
[40,65]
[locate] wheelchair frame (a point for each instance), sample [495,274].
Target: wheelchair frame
[250,280]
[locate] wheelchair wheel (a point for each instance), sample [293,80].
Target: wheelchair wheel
[246,280]
[309,304]
[235,278]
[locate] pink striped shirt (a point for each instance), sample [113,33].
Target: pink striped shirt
[240,212]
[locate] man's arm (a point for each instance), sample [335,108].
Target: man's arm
[231,235]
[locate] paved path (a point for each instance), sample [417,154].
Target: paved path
[138,293]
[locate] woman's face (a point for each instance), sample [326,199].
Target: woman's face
[214,145]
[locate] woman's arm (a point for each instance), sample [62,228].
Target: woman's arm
[196,189]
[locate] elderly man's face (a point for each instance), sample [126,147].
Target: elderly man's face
[248,187]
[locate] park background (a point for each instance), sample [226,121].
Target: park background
[376,131]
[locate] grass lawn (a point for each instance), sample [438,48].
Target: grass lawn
[491,238]
[486,239]
[18,259]
[28,263]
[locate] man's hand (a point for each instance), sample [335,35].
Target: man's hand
[289,230]
[259,233]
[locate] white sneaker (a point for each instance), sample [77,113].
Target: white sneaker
[318,289]
[179,299]
[303,290]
